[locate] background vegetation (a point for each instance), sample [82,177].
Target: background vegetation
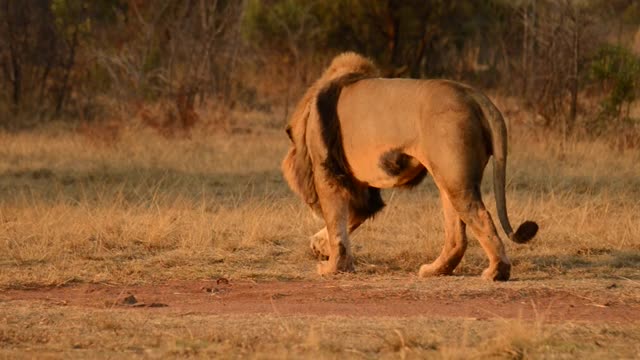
[170,64]
[140,144]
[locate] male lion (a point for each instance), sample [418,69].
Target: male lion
[354,133]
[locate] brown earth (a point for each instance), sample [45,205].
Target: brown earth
[339,297]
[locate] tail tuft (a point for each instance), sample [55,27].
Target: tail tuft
[526,231]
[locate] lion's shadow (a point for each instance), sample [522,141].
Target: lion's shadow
[598,258]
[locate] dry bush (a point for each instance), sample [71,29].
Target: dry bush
[620,137]
[278,81]
[167,118]
[102,133]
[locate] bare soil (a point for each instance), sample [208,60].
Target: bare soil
[339,297]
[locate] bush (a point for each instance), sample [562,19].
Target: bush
[617,70]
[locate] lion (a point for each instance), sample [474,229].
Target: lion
[354,133]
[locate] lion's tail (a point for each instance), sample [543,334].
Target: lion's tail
[528,229]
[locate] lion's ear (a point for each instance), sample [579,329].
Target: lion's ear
[288,131]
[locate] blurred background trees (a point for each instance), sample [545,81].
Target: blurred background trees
[574,64]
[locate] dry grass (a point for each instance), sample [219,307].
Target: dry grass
[146,208]
[142,208]
[39,331]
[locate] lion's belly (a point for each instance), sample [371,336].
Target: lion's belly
[378,135]
[385,169]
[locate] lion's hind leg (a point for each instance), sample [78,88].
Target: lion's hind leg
[472,211]
[454,246]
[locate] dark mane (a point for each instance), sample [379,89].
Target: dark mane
[364,200]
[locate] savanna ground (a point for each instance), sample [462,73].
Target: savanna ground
[205,235]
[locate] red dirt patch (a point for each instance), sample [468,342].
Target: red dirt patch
[336,297]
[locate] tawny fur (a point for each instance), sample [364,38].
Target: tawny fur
[353,133]
[297,167]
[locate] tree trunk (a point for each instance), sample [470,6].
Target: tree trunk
[65,88]
[16,79]
[15,73]
[392,26]
[575,70]
[525,50]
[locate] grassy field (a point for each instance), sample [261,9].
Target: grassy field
[144,209]
[42,332]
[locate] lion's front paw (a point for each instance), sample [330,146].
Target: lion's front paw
[319,245]
[332,267]
[327,268]
[318,251]
[498,272]
[429,270]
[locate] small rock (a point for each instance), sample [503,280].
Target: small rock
[222,280]
[278,296]
[157,305]
[130,300]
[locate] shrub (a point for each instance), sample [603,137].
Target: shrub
[617,70]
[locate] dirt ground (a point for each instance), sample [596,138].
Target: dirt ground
[395,297]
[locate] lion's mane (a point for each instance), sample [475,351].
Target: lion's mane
[297,166]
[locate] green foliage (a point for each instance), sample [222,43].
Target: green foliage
[279,22]
[58,56]
[617,69]
[70,17]
[80,17]
[631,13]
[417,35]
